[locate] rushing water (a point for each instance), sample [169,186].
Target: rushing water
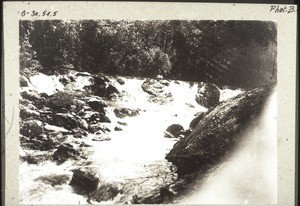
[125,156]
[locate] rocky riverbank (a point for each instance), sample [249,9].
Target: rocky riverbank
[87,138]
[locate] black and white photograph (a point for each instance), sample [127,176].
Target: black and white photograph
[147,112]
[147,109]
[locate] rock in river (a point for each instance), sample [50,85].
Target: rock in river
[64,152]
[208,95]
[126,112]
[174,130]
[84,180]
[217,132]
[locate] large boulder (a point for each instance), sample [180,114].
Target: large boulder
[64,152]
[208,95]
[216,134]
[84,180]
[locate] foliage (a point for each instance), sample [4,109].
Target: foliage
[217,51]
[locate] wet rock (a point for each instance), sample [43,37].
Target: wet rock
[162,99]
[56,136]
[111,89]
[113,97]
[93,128]
[101,138]
[164,82]
[208,95]
[92,116]
[173,131]
[79,133]
[65,120]
[126,112]
[82,123]
[31,128]
[190,105]
[106,191]
[36,144]
[61,102]
[104,118]
[84,180]
[54,179]
[23,81]
[31,95]
[121,80]
[195,121]
[64,152]
[83,74]
[24,102]
[122,123]
[49,127]
[29,159]
[217,133]
[157,90]
[100,84]
[97,105]
[152,87]
[64,80]
[28,114]
[83,144]
[118,128]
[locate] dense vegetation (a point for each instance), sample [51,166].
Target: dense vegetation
[237,53]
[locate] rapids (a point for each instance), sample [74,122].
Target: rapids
[129,152]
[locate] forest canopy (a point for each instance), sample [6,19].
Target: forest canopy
[236,53]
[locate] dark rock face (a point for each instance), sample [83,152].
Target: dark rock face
[118,128]
[208,95]
[31,128]
[84,180]
[100,84]
[126,112]
[54,179]
[23,81]
[174,130]
[111,90]
[216,133]
[37,144]
[65,120]
[64,152]
[30,95]
[106,191]
[97,105]
[104,118]
[195,121]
